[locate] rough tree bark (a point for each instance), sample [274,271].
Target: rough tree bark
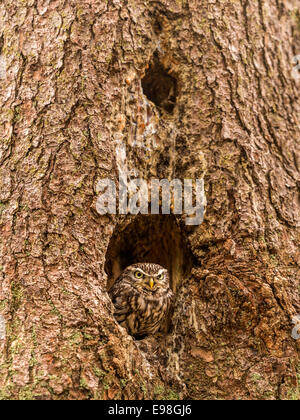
[77,77]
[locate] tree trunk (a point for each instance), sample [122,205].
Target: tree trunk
[194,90]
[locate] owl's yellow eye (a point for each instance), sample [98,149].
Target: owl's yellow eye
[160,276]
[138,275]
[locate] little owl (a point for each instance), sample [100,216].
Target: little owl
[142,298]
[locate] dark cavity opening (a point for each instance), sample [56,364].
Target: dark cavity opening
[149,238]
[1,43]
[159,86]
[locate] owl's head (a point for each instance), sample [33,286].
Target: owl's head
[148,277]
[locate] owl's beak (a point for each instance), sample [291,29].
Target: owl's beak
[151,282]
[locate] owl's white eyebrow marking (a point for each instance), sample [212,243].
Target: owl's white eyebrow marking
[161,271]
